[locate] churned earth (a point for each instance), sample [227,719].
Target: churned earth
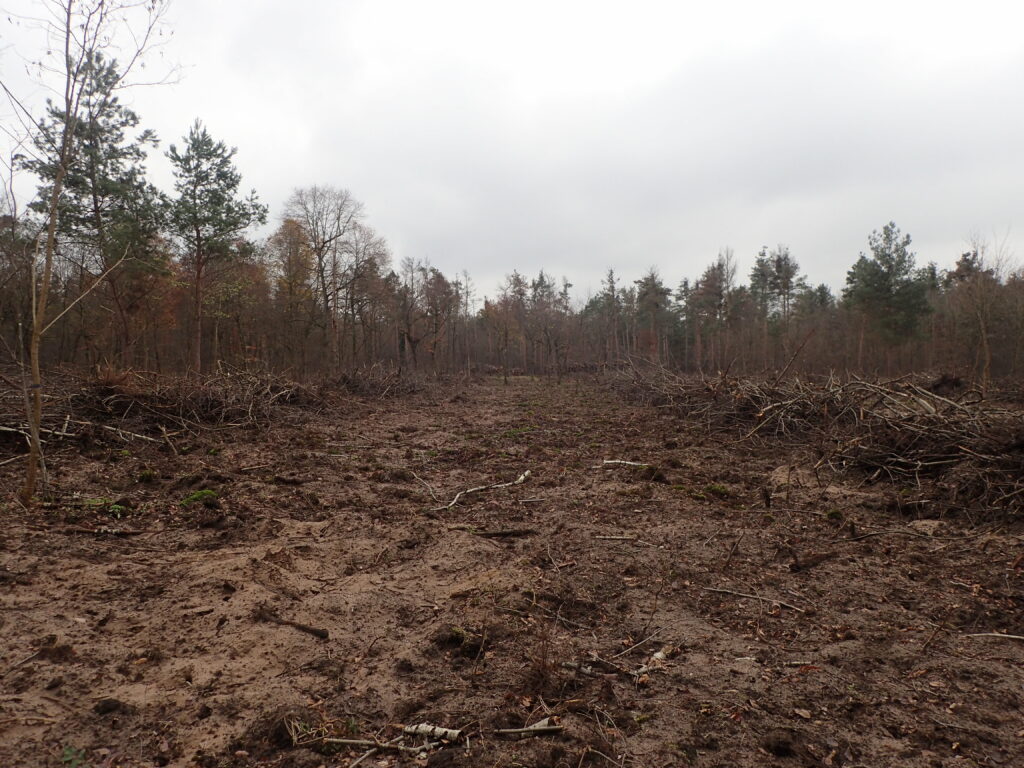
[240,597]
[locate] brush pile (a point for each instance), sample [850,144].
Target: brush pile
[129,405]
[903,431]
[376,381]
[228,398]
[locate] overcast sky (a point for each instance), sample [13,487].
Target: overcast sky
[578,136]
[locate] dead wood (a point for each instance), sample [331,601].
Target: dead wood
[433,732]
[637,645]
[265,614]
[518,481]
[497,534]
[656,661]
[965,450]
[102,531]
[153,408]
[376,745]
[377,381]
[770,601]
[546,727]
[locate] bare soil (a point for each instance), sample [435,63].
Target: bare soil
[324,587]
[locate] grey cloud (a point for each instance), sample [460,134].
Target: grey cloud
[578,140]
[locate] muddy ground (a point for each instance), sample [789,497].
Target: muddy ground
[800,621]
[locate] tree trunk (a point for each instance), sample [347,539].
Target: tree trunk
[986,352]
[39,301]
[197,320]
[860,345]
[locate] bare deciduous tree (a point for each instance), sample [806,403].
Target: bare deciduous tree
[327,215]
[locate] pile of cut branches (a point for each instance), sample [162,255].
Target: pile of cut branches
[129,405]
[227,398]
[376,381]
[900,430]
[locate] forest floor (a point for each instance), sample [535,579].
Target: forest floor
[325,585]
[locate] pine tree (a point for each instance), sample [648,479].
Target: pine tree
[207,215]
[885,288]
[107,209]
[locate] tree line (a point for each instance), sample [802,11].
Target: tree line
[174,281]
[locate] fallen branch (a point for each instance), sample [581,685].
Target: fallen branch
[518,481]
[735,546]
[656,661]
[583,669]
[597,666]
[265,614]
[892,533]
[544,727]
[371,752]
[167,439]
[116,430]
[433,732]
[634,647]
[374,744]
[102,530]
[996,634]
[17,664]
[497,534]
[755,597]
[431,490]
[64,433]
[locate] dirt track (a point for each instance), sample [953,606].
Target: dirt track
[850,648]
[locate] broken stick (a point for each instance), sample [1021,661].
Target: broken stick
[545,727]
[996,634]
[518,481]
[373,744]
[265,614]
[656,661]
[496,534]
[768,600]
[433,732]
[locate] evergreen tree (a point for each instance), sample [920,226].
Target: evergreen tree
[207,215]
[654,312]
[785,281]
[886,289]
[107,209]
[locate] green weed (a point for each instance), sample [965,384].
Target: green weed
[206,497]
[73,758]
[718,491]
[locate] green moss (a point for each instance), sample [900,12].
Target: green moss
[718,491]
[206,497]
[73,758]
[519,431]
